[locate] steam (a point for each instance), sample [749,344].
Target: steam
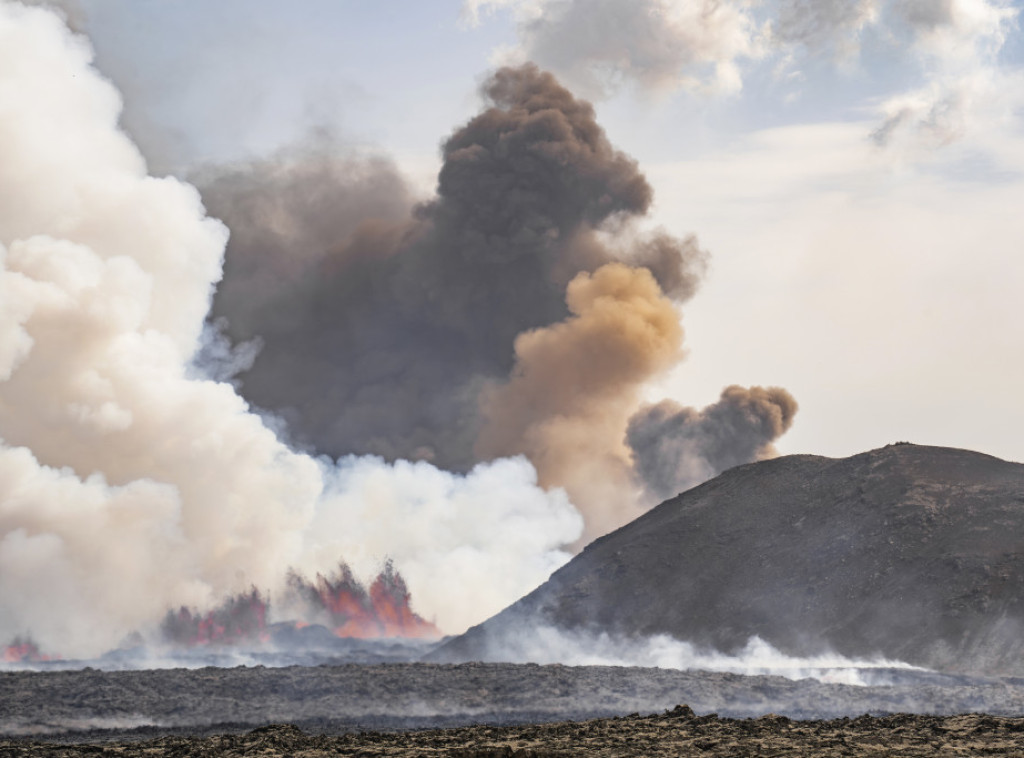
[128,487]
[545,644]
[676,448]
[71,11]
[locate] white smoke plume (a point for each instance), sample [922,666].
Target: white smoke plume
[550,644]
[127,486]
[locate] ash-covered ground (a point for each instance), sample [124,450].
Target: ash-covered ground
[91,705]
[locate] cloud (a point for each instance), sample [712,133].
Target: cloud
[659,45]
[824,24]
[957,43]
[713,45]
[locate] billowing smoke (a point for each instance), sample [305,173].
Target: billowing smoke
[675,448]
[70,10]
[378,335]
[128,487]
[577,382]
[518,313]
[291,217]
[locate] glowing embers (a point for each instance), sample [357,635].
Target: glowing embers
[23,650]
[342,603]
[240,619]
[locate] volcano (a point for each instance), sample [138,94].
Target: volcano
[907,552]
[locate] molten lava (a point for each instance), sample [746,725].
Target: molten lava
[23,651]
[339,602]
[351,611]
[241,619]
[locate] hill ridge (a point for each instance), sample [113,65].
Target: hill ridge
[909,552]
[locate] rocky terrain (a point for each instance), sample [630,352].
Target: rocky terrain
[678,732]
[91,705]
[911,553]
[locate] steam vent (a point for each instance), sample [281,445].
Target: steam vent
[907,552]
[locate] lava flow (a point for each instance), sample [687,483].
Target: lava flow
[344,604]
[23,651]
[241,619]
[339,602]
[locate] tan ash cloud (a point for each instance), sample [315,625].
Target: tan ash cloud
[575,385]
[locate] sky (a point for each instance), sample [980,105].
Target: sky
[494,277]
[879,283]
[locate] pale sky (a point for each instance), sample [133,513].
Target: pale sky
[878,278]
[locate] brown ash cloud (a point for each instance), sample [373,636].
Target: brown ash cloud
[675,448]
[381,320]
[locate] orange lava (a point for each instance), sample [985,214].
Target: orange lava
[240,619]
[23,651]
[384,611]
[338,601]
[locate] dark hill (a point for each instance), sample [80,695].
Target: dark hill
[913,553]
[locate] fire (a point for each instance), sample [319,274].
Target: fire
[23,651]
[241,619]
[339,601]
[351,611]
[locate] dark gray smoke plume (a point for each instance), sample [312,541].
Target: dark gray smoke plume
[675,448]
[380,328]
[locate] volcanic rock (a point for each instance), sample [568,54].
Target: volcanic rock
[908,552]
[674,733]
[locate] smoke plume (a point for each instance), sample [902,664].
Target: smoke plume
[380,332]
[519,312]
[128,487]
[575,385]
[675,448]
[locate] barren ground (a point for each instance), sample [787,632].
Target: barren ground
[676,733]
[423,709]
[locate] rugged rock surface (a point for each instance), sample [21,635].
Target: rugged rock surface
[908,552]
[678,732]
[90,705]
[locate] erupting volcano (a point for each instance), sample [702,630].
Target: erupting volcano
[241,619]
[23,651]
[341,602]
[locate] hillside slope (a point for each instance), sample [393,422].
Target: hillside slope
[909,552]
